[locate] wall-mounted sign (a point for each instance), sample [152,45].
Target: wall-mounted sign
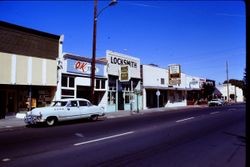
[194,83]
[174,71]
[123,61]
[124,73]
[81,67]
[117,60]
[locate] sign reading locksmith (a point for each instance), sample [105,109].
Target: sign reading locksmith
[122,61]
[118,60]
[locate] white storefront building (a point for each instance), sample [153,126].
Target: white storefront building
[159,91]
[74,75]
[124,81]
[235,93]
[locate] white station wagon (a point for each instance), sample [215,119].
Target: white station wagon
[62,110]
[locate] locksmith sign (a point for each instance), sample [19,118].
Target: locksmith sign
[118,60]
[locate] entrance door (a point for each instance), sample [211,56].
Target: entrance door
[11,102]
[83,92]
[120,101]
[2,104]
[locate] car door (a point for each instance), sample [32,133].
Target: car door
[72,110]
[84,109]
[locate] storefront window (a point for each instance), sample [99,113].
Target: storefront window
[67,92]
[71,82]
[179,96]
[103,84]
[97,84]
[127,100]
[111,97]
[64,81]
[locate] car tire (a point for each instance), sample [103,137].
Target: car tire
[94,117]
[51,121]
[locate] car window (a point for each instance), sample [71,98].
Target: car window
[89,104]
[73,103]
[83,103]
[59,103]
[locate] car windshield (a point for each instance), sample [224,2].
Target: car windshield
[59,103]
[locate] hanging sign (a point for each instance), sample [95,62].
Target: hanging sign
[174,71]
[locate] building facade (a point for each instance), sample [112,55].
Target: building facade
[160,90]
[75,76]
[124,82]
[235,93]
[28,61]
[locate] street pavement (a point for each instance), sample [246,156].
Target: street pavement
[16,120]
[215,136]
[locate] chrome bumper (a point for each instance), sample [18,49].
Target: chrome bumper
[32,119]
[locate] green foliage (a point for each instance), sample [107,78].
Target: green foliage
[240,83]
[235,82]
[208,90]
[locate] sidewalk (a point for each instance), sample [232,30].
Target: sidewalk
[13,121]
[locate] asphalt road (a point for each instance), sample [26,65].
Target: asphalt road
[190,137]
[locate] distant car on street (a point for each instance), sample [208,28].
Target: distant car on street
[216,102]
[63,110]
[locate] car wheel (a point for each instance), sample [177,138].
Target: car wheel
[51,121]
[94,117]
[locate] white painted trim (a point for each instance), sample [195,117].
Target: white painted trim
[29,71]
[13,69]
[44,71]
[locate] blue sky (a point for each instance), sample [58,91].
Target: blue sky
[199,35]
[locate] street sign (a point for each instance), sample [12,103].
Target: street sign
[158,93]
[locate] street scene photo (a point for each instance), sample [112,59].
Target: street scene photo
[123,83]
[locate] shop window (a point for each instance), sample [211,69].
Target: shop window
[100,84]
[68,92]
[111,97]
[97,86]
[64,81]
[103,84]
[127,97]
[179,96]
[71,82]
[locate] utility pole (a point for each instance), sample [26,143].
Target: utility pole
[227,82]
[93,62]
[92,82]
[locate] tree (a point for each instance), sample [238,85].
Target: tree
[245,77]
[235,82]
[208,90]
[239,83]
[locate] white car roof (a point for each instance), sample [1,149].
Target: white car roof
[72,99]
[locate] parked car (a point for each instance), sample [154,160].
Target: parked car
[63,110]
[216,102]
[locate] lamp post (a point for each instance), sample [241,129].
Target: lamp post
[113,2]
